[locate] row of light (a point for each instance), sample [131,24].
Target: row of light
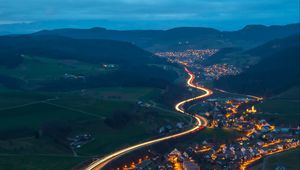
[200,123]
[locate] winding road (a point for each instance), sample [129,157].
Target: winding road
[201,122]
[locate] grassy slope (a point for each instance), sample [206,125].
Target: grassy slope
[286,104]
[85,50]
[26,162]
[100,102]
[289,160]
[37,68]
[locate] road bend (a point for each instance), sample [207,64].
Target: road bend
[201,122]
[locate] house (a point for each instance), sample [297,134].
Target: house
[179,125]
[188,165]
[284,130]
[161,130]
[143,165]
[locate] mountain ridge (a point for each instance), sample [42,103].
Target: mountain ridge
[183,37]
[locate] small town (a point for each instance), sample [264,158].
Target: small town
[187,57]
[149,85]
[258,139]
[216,71]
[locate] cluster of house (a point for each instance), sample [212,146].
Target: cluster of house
[217,71]
[175,160]
[72,76]
[230,156]
[187,57]
[169,128]
[109,65]
[144,104]
[258,138]
[78,141]
[181,161]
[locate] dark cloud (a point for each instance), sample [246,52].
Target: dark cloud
[202,12]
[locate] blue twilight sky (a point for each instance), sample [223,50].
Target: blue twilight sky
[152,14]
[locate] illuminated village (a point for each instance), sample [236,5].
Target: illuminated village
[258,138]
[188,56]
[216,71]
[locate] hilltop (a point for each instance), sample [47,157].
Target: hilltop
[183,37]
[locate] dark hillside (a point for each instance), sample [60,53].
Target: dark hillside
[244,59]
[270,76]
[61,63]
[90,51]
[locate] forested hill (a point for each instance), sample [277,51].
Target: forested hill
[244,58]
[184,37]
[85,50]
[276,72]
[60,63]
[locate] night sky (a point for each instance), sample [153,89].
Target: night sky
[223,14]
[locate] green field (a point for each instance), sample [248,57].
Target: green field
[198,108]
[292,93]
[13,98]
[25,114]
[34,126]
[217,135]
[284,108]
[32,162]
[38,68]
[288,159]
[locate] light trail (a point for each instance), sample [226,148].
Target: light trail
[207,93]
[201,122]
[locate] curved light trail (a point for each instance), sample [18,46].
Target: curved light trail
[201,122]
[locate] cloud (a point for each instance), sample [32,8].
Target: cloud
[151,10]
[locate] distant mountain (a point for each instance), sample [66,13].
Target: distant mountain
[261,33]
[86,50]
[277,71]
[122,24]
[31,27]
[184,37]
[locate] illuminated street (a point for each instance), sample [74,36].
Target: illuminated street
[200,123]
[249,147]
[149,85]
